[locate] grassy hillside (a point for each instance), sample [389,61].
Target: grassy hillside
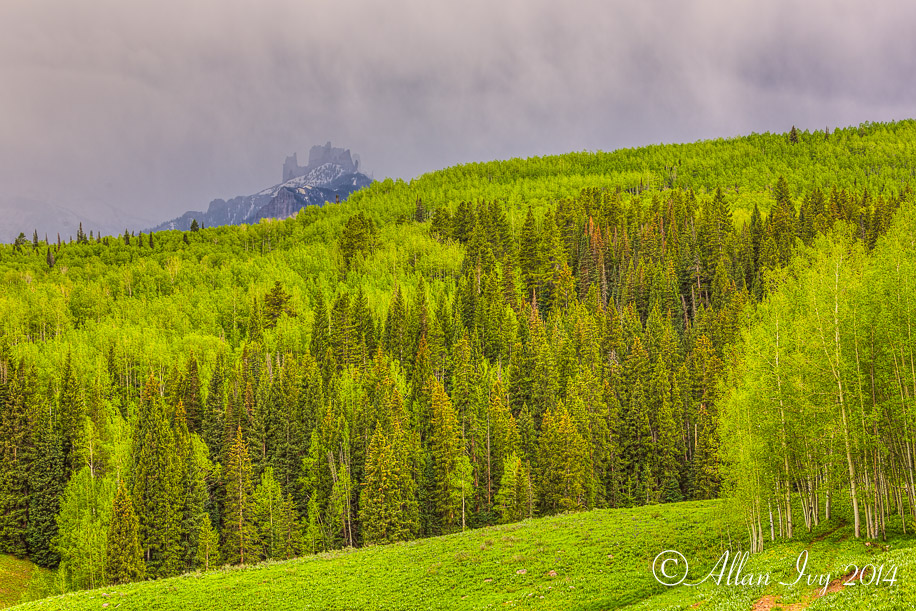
[601,560]
[595,560]
[20,580]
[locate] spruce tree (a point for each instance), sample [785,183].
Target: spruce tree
[507,503]
[239,543]
[17,393]
[562,458]
[124,557]
[445,452]
[72,409]
[388,505]
[275,304]
[47,477]
[208,546]
[156,485]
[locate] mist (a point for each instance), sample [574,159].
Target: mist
[144,109]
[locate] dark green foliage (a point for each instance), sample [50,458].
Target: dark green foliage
[72,409]
[276,302]
[47,476]
[561,464]
[388,507]
[123,557]
[359,237]
[156,485]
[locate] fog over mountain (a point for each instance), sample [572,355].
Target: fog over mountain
[152,108]
[331,175]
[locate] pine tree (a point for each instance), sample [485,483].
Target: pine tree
[124,557]
[255,327]
[358,238]
[47,477]
[509,505]
[562,458]
[239,544]
[396,340]
[72,409]
[445,453]
[707,369]
[503,435]
[156,485]
[190,395]
[782,222]
[17,393]
[342,333]
[267,505]
[636,430]
[208,546]
[321,335]
[314,534]
[276,303]
[292,543]
[530,256]
[388,506]
[212,424]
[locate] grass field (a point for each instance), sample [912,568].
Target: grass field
[20,580]
[595,560]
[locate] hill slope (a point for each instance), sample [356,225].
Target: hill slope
[594,560]
[600,559]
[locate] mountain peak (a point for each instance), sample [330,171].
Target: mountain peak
[331,175]
[318,156]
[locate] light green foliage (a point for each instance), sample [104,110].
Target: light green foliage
[208,555]
[83,523]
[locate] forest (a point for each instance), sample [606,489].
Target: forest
[480,345]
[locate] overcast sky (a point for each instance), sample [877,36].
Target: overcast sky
[161,106]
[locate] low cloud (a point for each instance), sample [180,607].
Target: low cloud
[158,107]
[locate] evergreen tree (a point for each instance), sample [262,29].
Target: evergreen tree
[212,424]
[321,339]
[17,392]
[124,557]
[445,453]
[72,409]
[267,515]
[388,506]
[276,302]
[47,477]
[208,546]
[240,540]
[156,486]
[562,460]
